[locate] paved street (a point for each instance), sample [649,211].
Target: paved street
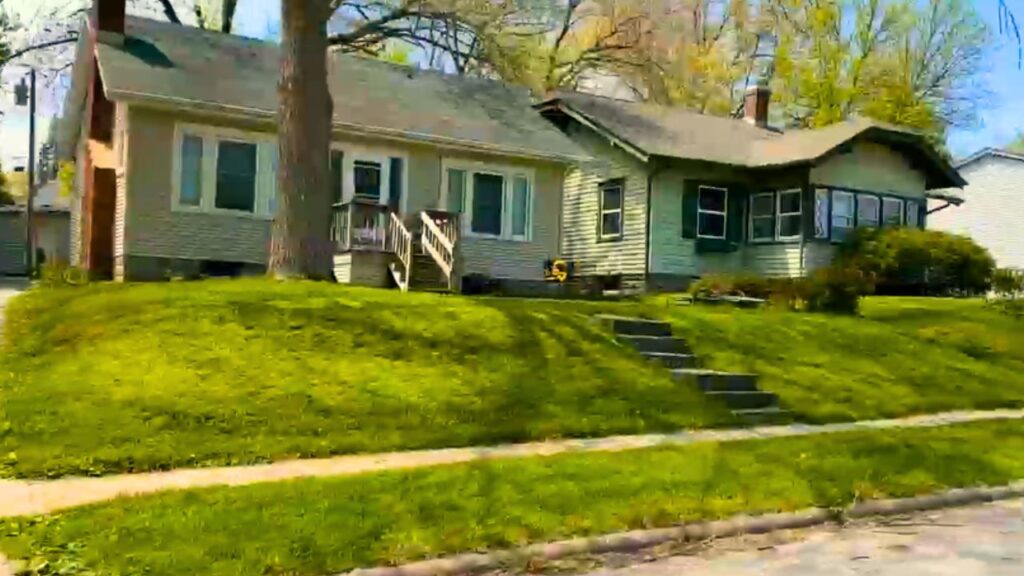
[984,540]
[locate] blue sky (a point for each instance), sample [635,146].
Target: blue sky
[1001,116]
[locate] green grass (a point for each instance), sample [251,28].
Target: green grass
[111,378]
[324,526]
[902,356]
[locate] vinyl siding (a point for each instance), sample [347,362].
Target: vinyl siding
[121,183]
[991,212]
[362,268]
[871,167]
[153,229]
[670,252]
[581,215]
[76,200]
[12,243]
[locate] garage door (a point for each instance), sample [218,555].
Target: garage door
[12,243]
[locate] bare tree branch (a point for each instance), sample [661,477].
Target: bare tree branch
[71,38]
[169,11]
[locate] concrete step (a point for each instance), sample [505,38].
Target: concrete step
[639,326]
[716,381]
[673,359]
[657,343]
[770,415]
[745,400]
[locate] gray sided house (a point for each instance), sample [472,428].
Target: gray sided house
[674,195]
[434,178]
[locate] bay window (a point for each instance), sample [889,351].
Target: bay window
[495,201]
[867,211]
[842,214]
[711,212]
[892,212]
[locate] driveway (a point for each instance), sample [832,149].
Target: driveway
[971,541]
[9,288]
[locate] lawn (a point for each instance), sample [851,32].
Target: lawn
[325,526]
[111,378]
[901,356]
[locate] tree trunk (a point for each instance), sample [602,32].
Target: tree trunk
[300,245]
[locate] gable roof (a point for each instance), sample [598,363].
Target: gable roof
[989,152]
[652,130]
[174,65]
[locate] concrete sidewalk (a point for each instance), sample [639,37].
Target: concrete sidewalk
[9,288]
[18,498]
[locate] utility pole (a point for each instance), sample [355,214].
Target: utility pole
[30,249]
[27,95]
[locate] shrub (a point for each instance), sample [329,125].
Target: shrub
[919,262]
[837,289]
[1006,282]
[58,273]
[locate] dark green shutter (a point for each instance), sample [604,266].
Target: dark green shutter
[336,175]
[736,217]
[690,200]
[395,185]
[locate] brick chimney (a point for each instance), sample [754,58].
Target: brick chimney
[755,104]
[107,19]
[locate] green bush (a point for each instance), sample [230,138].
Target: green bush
[837,289]
[910,261]
[57,273]
[1007,282]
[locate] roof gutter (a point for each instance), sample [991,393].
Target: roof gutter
[247,113]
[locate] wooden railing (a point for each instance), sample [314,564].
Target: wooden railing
[399,241]
[438,237]
[359,226]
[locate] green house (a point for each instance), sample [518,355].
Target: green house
[673,195]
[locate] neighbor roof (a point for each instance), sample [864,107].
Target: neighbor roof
[653,130]
[986,152]
[182,66]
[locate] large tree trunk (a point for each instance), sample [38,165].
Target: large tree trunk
[300,244]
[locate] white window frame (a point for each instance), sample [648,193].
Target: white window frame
[832,213]
[772,216]
[779,214]
[619,183]
[212,136]
[878,210]
[508,173]
[352,153]
[724,213]
[881,211]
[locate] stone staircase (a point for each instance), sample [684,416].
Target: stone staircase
[654,340]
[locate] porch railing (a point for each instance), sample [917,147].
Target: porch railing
[399,241]
[438,238]
[359,225]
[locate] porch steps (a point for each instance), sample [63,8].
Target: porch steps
[425,275]
[739,392]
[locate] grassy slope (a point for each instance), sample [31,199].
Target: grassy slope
[324,526]
[112,377]
[904,356]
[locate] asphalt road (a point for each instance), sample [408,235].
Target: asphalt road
[984,540]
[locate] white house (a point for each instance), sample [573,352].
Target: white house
[993,209]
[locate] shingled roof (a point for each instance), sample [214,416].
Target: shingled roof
[653,130]
[176,65]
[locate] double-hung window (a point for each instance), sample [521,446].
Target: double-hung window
[843,206]
[494,201]
[867,211]
[236,176]
[711,212]
[762,217]
[366,177]
[611,209]
[892,212]
[223,170]
[790,215]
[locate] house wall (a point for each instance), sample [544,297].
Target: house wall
[78,194]
[581,215]
[12,242]
[992,209]
[152,229]
[673,255]
[871,167]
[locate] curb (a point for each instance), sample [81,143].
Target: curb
[738,525]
